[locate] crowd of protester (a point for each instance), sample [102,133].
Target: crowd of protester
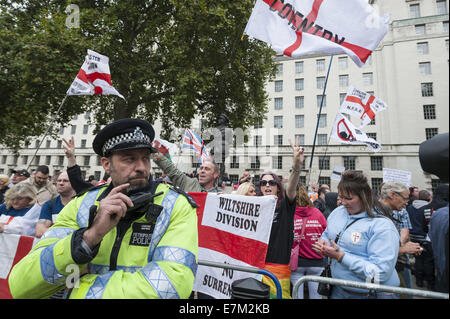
[381,236]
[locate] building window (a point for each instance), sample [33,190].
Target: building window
[427,89]
[343,63]
[372,135]
[258,123]
[320,65]
[425,68]
[441,6]
[414,11]
[277,162]
[278,103]
[368,78]
[37,160]
[59,144]
[234,178]
[376,163]
[429,112]
[278,86]
[83,143]
[299,139]
[322,139]
[278,121]
[48,143]
[99,160]
[278,139]
[324,180]
[86,160]
[48,159]
[319,100]
[61,160]
[299,102]
[323,120]
[73,129]
[255,163]
[87,115]
[320,82]
[195,162]
[420,29]
[85,129]
[343,80]
[299,84]
[342,97]
[299,121]
[376,182]
[445,26]
[257,140]
[350,162]
[299,67]
[430,132]
[4,159]
[324,162]
[234,162]
[422,48]
[61,130]
[279,69]
[25,159]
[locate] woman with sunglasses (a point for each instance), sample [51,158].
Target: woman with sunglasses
[282,232]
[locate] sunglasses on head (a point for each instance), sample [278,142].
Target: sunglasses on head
[271,183]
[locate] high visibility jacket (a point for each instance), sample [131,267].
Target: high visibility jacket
[136,260]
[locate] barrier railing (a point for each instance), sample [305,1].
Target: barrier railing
[253,270]
[370,286]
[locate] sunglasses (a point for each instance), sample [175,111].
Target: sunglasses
[264,183]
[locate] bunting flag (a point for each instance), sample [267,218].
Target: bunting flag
[345,132]
[12,249]
[299,27]
[232,229]
[193,142]
[94,77]
[362,105]
[164,147]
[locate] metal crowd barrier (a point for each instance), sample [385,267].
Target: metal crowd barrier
[253,270]
[364,285]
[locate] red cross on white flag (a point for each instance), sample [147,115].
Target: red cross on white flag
[299,27]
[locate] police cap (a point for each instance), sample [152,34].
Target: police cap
[124,134]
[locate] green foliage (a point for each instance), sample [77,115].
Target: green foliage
[171,60]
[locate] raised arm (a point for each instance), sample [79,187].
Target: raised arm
[298,158]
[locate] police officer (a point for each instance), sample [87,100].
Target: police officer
[132,239]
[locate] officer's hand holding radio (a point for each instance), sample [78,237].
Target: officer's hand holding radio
[110,210]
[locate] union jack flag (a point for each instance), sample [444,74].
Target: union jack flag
[193,142]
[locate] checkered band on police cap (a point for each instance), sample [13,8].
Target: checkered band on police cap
[124,134]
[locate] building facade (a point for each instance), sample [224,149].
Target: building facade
[409,71]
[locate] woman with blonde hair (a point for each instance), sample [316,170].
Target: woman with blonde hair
[20,203]
[309,224]
[247,189]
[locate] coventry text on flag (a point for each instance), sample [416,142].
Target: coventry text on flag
[298,27]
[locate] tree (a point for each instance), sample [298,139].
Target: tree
[171,60]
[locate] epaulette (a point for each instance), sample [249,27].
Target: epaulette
[90,189]
[182,192]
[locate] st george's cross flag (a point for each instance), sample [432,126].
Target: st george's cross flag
[299,27]
[193,142]
[12,249]
[235,230]
[345,132]
[94,77]
[362,105]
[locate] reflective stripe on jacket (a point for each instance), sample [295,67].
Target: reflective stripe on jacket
[164,268]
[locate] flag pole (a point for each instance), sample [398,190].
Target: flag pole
[48,129]
[318,119]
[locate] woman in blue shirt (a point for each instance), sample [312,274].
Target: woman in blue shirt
[367,248]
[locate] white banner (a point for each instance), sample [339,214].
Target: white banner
[337,172]
[22,225]
[345,132]
[299,27]
[396,175]
[362,105]
[233,229]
